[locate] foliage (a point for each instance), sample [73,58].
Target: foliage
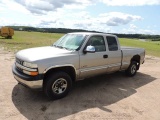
[67,30]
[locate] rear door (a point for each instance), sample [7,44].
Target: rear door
[114,54]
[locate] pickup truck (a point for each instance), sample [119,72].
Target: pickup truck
[75,56]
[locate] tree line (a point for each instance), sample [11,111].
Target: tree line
[67,30]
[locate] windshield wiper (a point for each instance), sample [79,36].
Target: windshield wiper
[54,45]
[63,47]
[67,48]
[58,46]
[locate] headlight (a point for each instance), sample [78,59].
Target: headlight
[30,65]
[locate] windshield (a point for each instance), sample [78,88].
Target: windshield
[70,41]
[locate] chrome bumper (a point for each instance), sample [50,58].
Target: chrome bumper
[33,82]
[38,84]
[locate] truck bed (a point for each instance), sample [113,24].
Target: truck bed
[129,52]
[129,48]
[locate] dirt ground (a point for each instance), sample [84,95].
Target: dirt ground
[107,97]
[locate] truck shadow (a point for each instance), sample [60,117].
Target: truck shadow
[3,38]
[97,92]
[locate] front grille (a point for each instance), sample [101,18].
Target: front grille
[19,62]
[24,69]
[18,68]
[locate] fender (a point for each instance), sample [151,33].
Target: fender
[58,66]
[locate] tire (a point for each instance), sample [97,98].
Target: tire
[57,85]
[132,69]
[10,37]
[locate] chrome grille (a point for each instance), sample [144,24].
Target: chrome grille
[19,62]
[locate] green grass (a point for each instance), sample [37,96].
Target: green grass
[152,48]
[22,40]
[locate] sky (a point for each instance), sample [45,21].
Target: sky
[111,16]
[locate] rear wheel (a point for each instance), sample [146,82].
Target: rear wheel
[132,69]
[57,85]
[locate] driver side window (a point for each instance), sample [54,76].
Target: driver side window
[97,42]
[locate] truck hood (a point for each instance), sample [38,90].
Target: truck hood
[34,54]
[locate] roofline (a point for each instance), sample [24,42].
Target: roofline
[91,33]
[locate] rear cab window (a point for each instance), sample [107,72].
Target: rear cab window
[112,43]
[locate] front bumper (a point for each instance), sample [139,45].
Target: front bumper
[33,82]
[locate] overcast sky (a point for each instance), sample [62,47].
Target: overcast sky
[112,16]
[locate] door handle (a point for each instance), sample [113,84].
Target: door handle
[105,56]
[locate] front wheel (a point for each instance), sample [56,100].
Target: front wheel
[57,85]
[132,69]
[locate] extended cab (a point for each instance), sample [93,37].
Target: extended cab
[75,56]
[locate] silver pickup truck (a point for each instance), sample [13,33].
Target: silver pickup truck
[75,56]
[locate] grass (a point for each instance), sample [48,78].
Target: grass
[22,40]
[152,48]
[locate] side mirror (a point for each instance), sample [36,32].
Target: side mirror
[90,49]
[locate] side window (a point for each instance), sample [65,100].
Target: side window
[97,42]
[112,43]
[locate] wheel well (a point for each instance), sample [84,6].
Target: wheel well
[136,58]
[67,69]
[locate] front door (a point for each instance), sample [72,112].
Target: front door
[92,64]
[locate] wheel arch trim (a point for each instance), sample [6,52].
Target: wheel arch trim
[59,66]
[137,58]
